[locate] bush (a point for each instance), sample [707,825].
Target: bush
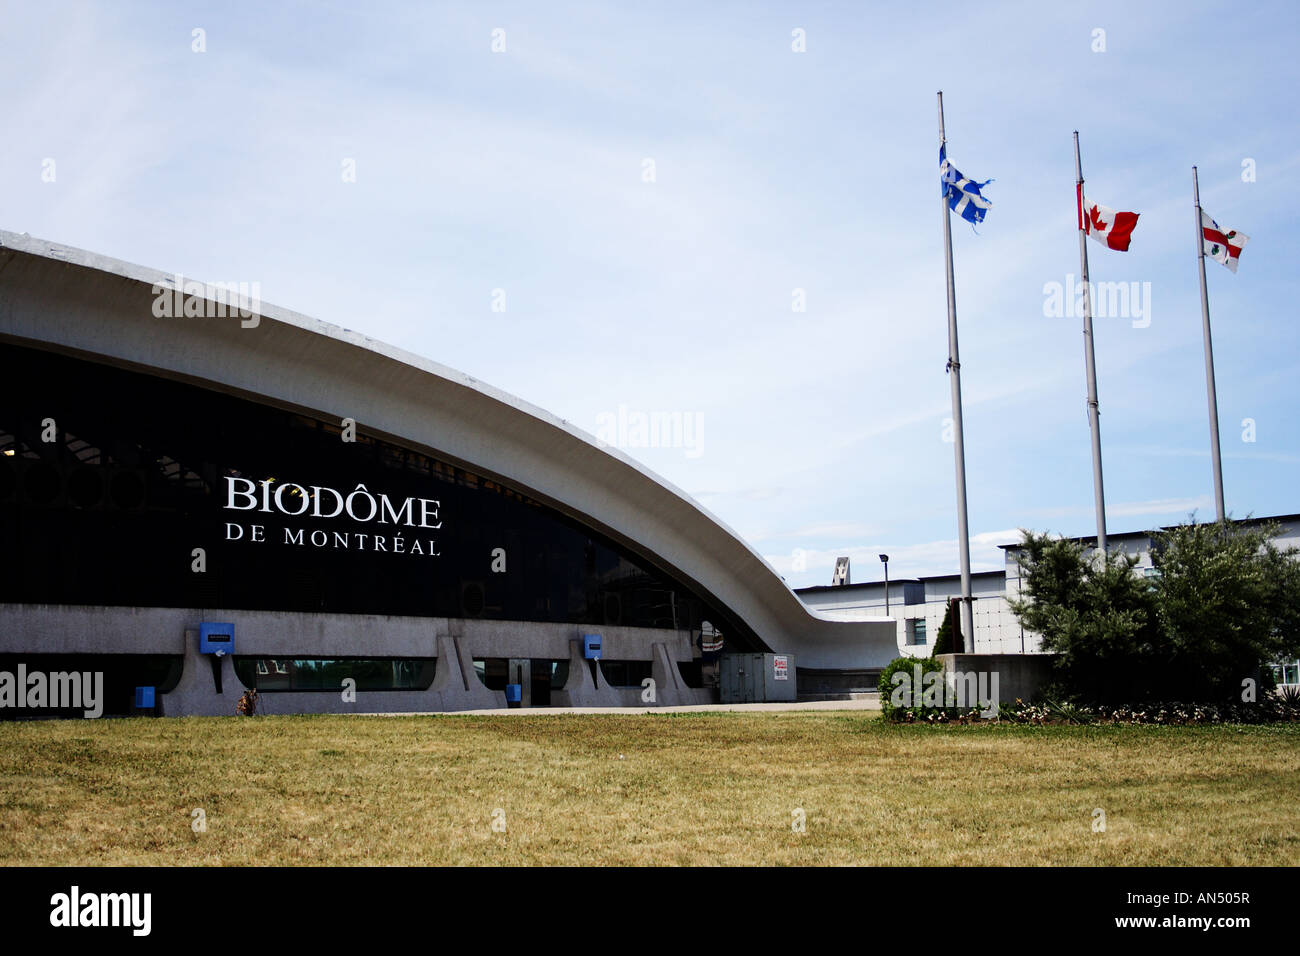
[909,708]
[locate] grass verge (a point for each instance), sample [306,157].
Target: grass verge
[643,789]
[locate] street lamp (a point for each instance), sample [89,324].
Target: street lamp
[885,560]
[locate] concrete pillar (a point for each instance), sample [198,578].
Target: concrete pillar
[670,689]
[456,685]
[581,689]
[195,695]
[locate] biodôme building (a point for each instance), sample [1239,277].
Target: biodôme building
[197,500]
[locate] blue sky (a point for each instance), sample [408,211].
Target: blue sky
[524,171]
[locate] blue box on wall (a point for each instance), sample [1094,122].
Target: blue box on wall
[514,693]
[591,647]
[144,698]
[216,638]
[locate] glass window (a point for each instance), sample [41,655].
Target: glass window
[916,631]
[313,674]
[492,672]
[625,673]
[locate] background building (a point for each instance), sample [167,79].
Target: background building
[917,605]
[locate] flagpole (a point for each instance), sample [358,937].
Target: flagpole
[1090,358]
[959,443]
[1209,354]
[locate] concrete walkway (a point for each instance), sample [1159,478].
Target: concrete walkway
[868,703]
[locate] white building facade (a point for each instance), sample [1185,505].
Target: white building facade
[918,605]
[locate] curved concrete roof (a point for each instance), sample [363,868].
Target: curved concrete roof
[79,301]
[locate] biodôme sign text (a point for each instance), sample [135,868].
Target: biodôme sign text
[319,501]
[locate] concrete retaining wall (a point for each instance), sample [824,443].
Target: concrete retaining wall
[1019,675]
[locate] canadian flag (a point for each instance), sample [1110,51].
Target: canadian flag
[1110,228]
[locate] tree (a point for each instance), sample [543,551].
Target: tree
[1229,602]
[1223,601]
[948,639]
[1094,614]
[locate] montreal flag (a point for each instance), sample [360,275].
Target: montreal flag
[1222,245]
[1112,229]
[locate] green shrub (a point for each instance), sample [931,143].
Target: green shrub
[905,665]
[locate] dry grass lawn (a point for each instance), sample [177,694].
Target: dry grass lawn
[687,789]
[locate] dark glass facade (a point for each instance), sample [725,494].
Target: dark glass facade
[139,471]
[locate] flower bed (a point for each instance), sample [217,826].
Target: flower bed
[1269,710]
[1170,713]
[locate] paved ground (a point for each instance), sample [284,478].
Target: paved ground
[869,703]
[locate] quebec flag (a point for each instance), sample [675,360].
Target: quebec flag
[963,195]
